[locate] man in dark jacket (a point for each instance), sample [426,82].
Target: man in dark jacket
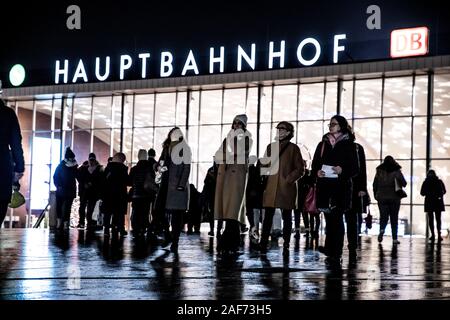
[90,178]
[66,188]
[115,194]
[11,156]
[141,197]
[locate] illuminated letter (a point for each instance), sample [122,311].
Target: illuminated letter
[80,72]
[97,69]
[242,54]
[124,66]
[144,57]
[64,71]
[279,54]
[190,64]
[74,21]
[213,59]
[337,47]
[316,44]
[374,21]
[166,62]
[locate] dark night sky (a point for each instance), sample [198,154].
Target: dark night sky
[35,34]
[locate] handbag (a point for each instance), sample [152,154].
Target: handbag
[17,199]
[399,190]
[368,220]
[310,200]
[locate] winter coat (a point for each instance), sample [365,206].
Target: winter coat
[384,182]
[11,153]
[90,184]
[281,189]
[115,189]
[64,179]
[433,189]
[232,182]
[137,178]
[360,181]
[335,192]
[177,176]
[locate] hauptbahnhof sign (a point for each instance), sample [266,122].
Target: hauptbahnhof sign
[141,40]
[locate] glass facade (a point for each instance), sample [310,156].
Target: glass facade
[390,117]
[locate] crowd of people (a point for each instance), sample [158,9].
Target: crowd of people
[239,189]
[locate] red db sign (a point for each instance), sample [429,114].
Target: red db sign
[409,42]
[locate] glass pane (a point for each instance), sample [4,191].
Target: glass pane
[442,168]
[42,148]
[421,95]
[81,144]
[44,115]
[368,134]
[441,104]
[209,142]
[266,104]
[264,138]
[116,140]
[67,121]
[311,101]
[181,110]
[82,113]
[193,142]
[102,112]
[165,109]
[27,138]
[419,226]
[420,137]
[347,99]
[310,133]
[57,114]
[440,141]
[251,128]
[371,167]
[160,136]
[397,138]
[252,105]
[25,182]
[234,104]
[193,174]
[419,171]
[143,110]
[331,100]
[285,103]
[193,108]
[368,98]
[397,96]
[202,170]
[128,111]
[101,145]
[211,107]
[25,114]
[142,139]
[117,111]
[127,137]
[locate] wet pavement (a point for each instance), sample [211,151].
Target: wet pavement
[37,264]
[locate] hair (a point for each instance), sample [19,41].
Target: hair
[119,157]
[431,173]
[142,154]
[151,152]
[344,125]
[166,142]
[289,127]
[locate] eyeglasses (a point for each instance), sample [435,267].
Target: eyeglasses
[332,125]
[281,128]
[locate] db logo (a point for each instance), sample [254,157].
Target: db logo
[409,42]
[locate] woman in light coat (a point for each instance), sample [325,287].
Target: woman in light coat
[231,183]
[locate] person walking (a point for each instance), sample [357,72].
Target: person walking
[64,179]
[387,179]
[281,188]
[173,195]
[335,163]
[231,184]
[433,189]
[11,156]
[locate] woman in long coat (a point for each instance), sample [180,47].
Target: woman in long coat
[334,190]
[281,188]
[433,189]
[174,190]
[231,183]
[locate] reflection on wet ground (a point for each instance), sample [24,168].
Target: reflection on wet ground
[37,264]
